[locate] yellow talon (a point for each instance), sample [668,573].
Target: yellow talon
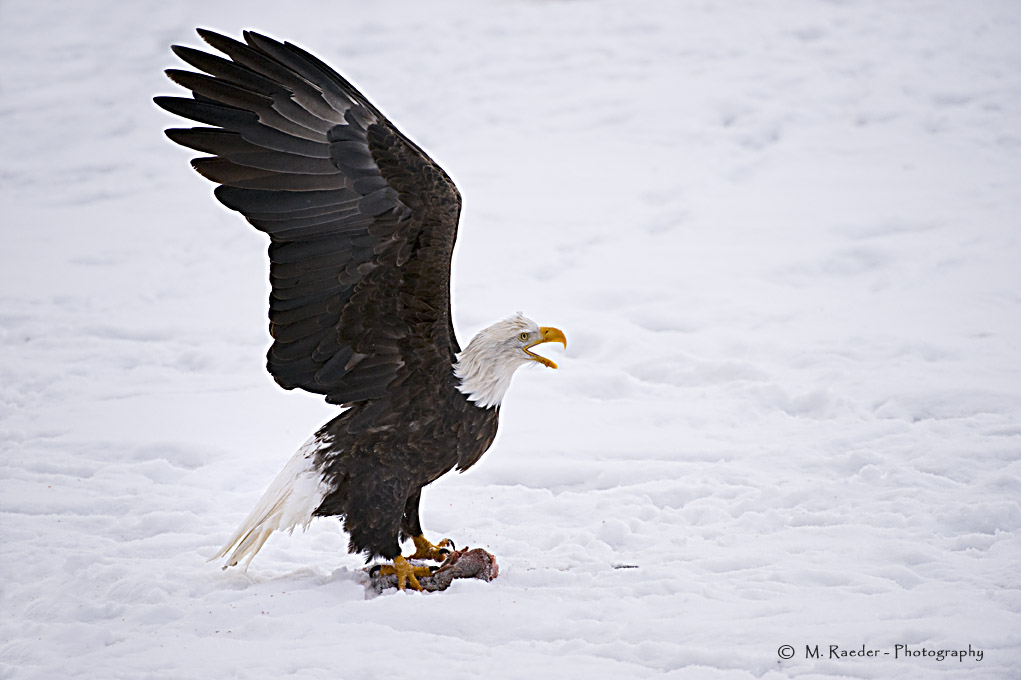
[406,573]
[425,550]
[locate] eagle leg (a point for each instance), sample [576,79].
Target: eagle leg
[425,550]
[412,526]
[407,573]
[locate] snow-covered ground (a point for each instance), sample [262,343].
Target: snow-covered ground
[782,239]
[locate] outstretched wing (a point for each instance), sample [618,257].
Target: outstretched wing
[361,221]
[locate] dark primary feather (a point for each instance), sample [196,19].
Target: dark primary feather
[362,223]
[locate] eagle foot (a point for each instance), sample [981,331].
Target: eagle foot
[425,550]
[407,573]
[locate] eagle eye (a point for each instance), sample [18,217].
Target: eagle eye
[523,337]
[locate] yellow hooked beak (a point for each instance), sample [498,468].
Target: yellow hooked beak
[546,334]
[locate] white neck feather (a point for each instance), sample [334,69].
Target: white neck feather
[483,381]
[485,367]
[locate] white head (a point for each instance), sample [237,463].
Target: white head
[487,364]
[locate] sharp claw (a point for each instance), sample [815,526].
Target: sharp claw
[425,550]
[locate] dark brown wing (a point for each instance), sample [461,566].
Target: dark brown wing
[361,221]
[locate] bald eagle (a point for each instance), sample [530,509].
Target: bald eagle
[361,225]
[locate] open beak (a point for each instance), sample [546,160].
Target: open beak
[546,334]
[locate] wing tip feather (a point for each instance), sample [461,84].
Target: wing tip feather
[236,133]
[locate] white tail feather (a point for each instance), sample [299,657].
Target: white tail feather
[289,500]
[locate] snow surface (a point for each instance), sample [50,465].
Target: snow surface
[782,239]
